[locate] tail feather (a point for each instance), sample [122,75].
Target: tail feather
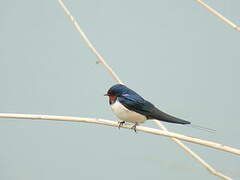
[201,128]
[162,116]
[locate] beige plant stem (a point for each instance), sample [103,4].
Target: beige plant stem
[115,124]
[214,12]
[195,156]
[89,44]
[199,159]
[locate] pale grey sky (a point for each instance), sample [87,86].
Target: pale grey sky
[173,53]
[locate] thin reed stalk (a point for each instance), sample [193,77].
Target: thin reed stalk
[220,16]
[128,126]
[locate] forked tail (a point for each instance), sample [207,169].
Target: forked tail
[162,116]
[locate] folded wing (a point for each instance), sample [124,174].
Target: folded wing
[137,104]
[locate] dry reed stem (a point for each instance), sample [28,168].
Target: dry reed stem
[214,12]
[188,150]
[197,157]
[128,126]
[89,44]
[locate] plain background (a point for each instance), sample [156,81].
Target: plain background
[174,53]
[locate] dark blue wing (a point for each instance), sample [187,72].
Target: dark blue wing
[137,104]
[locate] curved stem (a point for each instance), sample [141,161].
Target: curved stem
[113,123]
[194,155]
[89,44]
[220,16]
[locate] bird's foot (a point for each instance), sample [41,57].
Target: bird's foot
[134,127]
[120,124]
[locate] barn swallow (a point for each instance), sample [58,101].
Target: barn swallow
[129,106]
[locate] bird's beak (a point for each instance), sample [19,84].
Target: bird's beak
[106,95]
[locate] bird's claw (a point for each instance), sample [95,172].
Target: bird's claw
[134,127]
[120,124]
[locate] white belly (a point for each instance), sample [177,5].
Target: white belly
[126,115]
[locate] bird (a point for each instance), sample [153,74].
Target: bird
[129,106]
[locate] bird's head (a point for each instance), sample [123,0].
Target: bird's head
[116,91]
